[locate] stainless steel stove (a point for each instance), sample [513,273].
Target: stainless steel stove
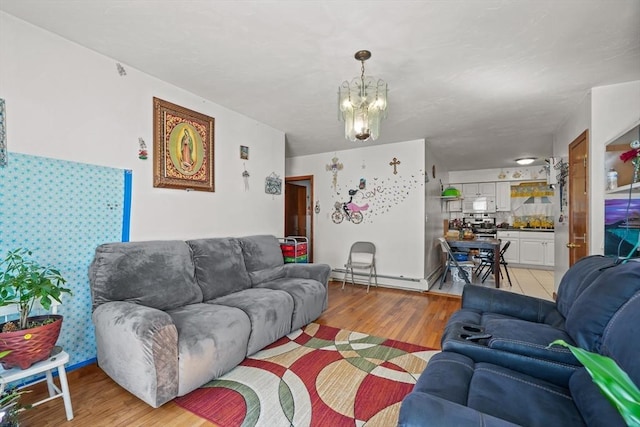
[483,225]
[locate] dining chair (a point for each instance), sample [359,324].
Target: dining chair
[452,262]
[488,263]
[362,256]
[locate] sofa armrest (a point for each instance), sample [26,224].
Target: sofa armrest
[319,272]
[489,300]
[422,410]
[138,348]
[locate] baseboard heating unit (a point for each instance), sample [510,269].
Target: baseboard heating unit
[384,280]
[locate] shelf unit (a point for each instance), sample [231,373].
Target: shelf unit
[635,188]
[616,146]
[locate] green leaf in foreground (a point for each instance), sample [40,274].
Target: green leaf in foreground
[614,383]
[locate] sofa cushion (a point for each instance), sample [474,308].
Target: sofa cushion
[497,391]
[593,406]
[594,308]
[263,258]
[620,339]
[308,298]
[579,277]
[269,311]
[212,340]
[158,274]
[220,268]
[529,339]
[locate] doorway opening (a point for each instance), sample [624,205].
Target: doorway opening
[298,209]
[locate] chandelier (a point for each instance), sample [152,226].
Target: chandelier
[362,104]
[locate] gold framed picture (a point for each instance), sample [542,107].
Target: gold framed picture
[183,148]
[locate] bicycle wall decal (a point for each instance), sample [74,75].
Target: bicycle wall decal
[349,210]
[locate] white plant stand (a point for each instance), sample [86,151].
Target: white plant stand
[54,362]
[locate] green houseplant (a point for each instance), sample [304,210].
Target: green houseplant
[613,382]
[24,281]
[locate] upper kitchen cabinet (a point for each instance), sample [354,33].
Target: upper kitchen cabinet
[479,189]
[503,196]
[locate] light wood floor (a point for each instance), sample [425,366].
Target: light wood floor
[408,316]
[525,281]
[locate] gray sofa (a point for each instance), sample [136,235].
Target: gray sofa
[170,316]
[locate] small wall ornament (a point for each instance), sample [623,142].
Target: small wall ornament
[244,152]
[273,184]
[334,167]
[395,162]
[245,177]
[142,151]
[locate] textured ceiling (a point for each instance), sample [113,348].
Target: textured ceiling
[484,82]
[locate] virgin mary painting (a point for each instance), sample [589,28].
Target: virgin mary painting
[186,149]
[182,148]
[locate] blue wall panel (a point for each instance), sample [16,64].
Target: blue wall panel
[61,211]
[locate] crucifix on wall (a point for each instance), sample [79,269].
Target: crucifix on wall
[395,162]
[334,167]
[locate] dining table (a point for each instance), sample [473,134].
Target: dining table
[485,243]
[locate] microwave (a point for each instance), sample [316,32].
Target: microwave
[482,204]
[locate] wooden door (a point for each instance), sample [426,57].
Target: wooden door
[295,210]
[578,198]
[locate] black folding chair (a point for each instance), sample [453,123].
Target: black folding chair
[489,261]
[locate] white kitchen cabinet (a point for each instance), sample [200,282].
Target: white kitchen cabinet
[455,205]
[479,189]
[503,196]
[549,252]
[537,248]
[512,255]
[487,188]
[532,251]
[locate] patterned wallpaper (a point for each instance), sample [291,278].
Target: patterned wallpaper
[61,211]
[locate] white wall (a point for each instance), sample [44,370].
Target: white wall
[614,110]
[436,212]
[67,102]
[573,126]
[395,220]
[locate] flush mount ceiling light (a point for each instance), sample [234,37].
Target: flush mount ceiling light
[362,104]
[525,161]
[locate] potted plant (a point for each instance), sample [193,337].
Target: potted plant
[612,381]
[23,281]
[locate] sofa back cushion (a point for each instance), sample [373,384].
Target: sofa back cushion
[263,258]
[597,305]
[620,342]
[220,268]
[621,337]
[579,277]
[158,274]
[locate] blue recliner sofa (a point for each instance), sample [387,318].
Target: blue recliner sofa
[514,330]
[520,381]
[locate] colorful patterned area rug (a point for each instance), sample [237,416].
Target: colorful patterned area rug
[317,376]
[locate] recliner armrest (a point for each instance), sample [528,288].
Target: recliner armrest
[489,300]
[138,348]
[319,272]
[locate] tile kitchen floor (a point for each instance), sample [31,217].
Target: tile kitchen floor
[526,281]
